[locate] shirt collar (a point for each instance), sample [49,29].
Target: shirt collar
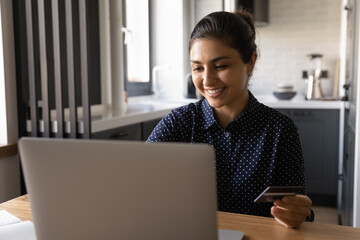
[252,106]
[208,114]
[210,118]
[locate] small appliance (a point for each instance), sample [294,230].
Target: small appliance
[313,89]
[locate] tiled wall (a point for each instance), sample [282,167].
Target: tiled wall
[297,28]
[204,7]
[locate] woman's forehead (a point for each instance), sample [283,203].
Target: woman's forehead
[210,48]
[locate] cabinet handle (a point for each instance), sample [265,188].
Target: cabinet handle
[348,7]
[299,113]
[120,134]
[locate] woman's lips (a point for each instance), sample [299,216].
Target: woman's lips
[214,91]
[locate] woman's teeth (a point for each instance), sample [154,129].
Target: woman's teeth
[213,91]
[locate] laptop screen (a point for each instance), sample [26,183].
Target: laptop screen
[91,189]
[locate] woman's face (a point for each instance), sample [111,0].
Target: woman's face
[219,73]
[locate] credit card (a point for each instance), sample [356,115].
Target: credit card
[272,193]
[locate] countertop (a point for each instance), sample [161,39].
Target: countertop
[149,108]
[137,110]
[255,227]
[299,102]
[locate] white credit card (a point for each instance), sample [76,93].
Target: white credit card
[272,193]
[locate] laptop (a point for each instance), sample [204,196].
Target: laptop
[96,189]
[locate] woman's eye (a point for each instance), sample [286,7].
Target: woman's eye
[221,66]
[196,69]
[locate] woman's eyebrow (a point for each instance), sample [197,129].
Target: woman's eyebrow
[219,58]
[212,60]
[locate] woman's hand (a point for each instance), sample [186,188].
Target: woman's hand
[291,211]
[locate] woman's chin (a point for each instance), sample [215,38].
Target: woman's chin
[214,103]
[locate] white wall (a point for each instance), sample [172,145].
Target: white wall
[296,29]
[167,44]
[9,167]
[204,7]
[3,121]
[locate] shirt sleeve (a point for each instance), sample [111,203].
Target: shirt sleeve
[174,127]
[290,161]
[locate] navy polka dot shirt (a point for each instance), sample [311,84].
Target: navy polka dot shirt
[258,149]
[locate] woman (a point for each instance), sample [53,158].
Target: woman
[255,145]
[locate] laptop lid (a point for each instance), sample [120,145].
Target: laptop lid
[91,189]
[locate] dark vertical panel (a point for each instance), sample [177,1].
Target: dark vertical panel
[35,23]
[57,69]
[31,68]
[76,58]
[70,68]
[38,50]
[84,69]
[43,69]
[92,46]
[22,83]
[50,56]
[93,33]
[50,64]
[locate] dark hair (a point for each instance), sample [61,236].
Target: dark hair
[236,30]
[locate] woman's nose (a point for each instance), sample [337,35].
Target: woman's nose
[208,77]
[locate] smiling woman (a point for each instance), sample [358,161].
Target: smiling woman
[211,61]
[255,145]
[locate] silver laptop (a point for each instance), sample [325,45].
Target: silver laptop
[90,189]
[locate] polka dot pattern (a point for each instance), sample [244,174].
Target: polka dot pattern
[258,149]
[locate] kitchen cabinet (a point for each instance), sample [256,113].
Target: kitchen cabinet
[131,132]
[346,180]
[134,132]
[148,126]
[319,136]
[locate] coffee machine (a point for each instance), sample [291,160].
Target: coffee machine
[313,89]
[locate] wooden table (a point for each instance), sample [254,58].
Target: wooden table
[253,226]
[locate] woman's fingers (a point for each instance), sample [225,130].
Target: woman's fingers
[291,211]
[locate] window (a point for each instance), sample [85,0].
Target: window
[3,125]
[136,47]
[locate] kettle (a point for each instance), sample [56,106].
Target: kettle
[313,89]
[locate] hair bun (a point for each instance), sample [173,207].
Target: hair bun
[248,17]
[236,30]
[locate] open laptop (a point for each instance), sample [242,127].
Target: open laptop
[91,189]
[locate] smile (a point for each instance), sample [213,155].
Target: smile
[215,91]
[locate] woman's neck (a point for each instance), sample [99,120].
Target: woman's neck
[229,113]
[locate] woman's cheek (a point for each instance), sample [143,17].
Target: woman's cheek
[197,81]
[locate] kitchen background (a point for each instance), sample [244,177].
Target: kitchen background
[295,29]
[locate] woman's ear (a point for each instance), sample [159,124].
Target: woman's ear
[251,63]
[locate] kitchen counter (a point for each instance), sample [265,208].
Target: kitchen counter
[147,108]
[138,110]
[141,109]
[299,102]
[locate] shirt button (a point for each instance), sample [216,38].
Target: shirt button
[227,134]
